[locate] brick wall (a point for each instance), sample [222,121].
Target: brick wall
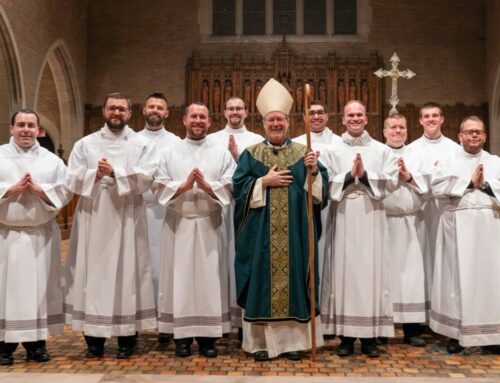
[144,48]
[443,41]
[493,70]
[36,26]
[137,47]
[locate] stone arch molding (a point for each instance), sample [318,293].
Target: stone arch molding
[68,95]
[11,84]
[495,111]
[495,115]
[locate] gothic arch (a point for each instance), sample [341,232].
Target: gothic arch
[11,90]
[70,111]
[495,115]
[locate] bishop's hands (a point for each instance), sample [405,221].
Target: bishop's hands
[277,178]
[478,177]
[283,178]
[311,162]
[233,147]
[26,185]
[104,168]
[195,177]
[358,169]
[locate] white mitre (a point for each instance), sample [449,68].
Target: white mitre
[274,97]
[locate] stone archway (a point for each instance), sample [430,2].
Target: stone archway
[11,91]
[58,98]
[495,115]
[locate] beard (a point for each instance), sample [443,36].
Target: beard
[116,125]
[153,123]
[472,149]
[235,122]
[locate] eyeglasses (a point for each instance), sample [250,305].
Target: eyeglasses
[316,112]
[473,132]
[116,109]
[235,108]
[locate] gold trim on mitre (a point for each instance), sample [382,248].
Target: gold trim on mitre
[274,97]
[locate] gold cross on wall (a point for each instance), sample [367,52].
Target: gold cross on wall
[394,74]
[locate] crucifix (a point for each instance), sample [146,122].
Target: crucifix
[394,74]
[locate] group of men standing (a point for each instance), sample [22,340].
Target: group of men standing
[402,233]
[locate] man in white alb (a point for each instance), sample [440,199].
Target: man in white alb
[364,172]
[431,148]
[321,134]
[465,294]
[155,113]
[194,183]
[403,209]
[322,139]
[236,138]
[33,189]
[109,287]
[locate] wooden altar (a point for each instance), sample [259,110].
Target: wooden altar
[334,80]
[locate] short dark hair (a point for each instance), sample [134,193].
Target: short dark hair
[236,98]
[117,96]
[159,95]
[199,103]
[471,118]
[25,111]
[318,102]
[431,104]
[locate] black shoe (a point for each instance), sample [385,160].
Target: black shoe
[345,348]
[492,349]
[94,352]
[182,350]
[6,359]
[125,352]
[39,354]
[95,346]
[164,338]
[261,356]
[369,348]
[208,351]
[240,334]
[415,341]
[453,347]
[292,355]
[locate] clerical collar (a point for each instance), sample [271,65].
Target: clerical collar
[287,141]
[478,154]
[33,149]
[396,150]
[320,133]
[362,140]
[107,132]
[195,142]
[230,130]
[433,140]
[155,133]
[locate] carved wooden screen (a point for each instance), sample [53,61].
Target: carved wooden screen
[334,81]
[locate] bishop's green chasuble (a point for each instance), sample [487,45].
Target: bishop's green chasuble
[271,262]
